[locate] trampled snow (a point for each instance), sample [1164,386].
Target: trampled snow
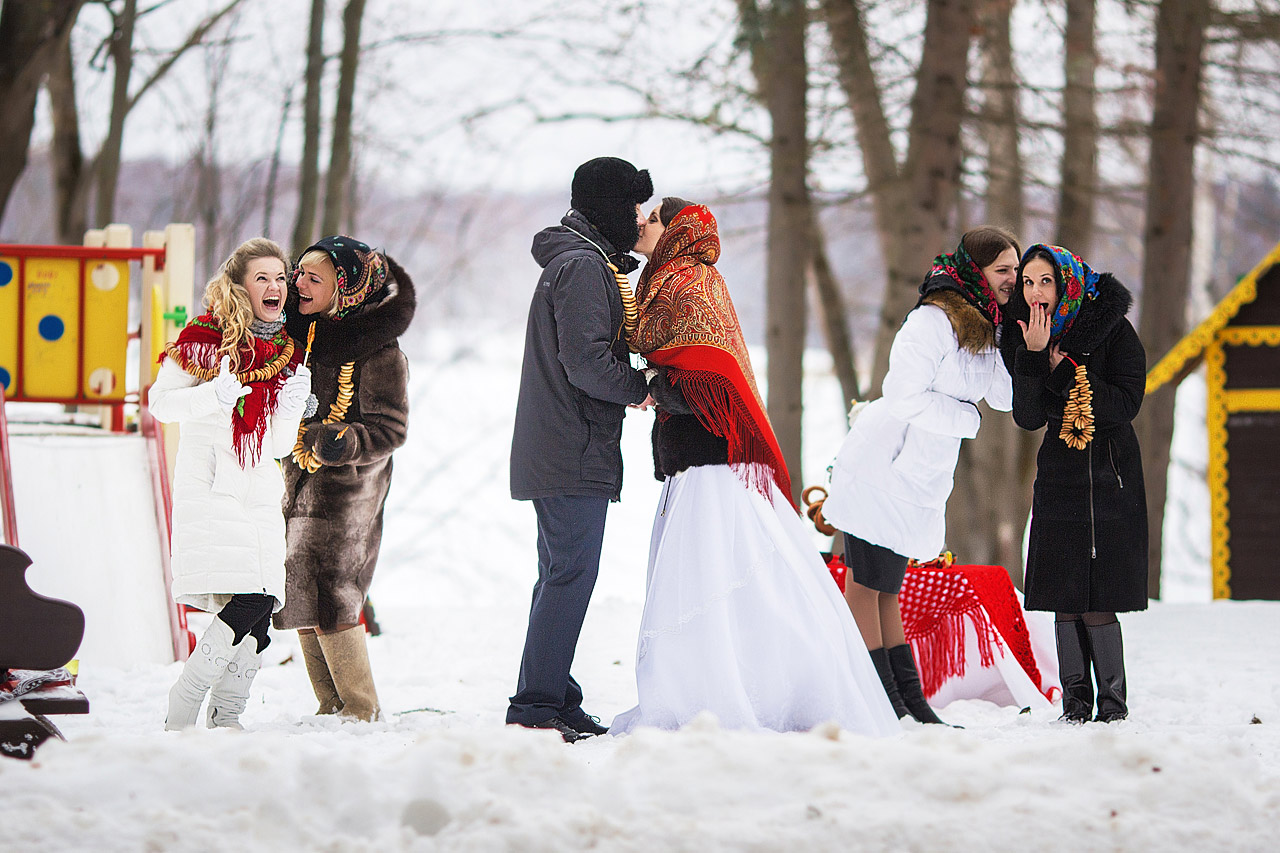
[1196,767]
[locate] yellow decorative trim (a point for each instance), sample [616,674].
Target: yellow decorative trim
[1252,400]
[1200,337]
[305,459]
[1252,336]
[1219,494]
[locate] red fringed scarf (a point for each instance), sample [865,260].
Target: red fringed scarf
[688,325]
[261,368]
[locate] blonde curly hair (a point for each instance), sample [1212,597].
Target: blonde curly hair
[227,298]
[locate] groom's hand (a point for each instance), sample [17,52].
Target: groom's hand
[645,404]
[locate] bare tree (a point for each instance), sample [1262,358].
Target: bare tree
[1078,185]
[995,471]
[1166,265]
[335,189]
[309,168]
[31,35]
[914,202]
[776,37]
[70,216]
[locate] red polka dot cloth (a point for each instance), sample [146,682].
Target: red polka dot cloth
[937,599]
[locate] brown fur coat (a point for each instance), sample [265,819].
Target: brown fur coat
[333,518]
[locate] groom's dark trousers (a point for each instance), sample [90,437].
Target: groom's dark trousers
[570,532]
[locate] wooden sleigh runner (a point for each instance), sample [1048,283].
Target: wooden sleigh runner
[37,633]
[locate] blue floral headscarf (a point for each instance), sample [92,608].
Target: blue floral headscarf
[1079,283]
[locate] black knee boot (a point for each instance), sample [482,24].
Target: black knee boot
[1073,670]
[1108,666]
[884,669]
[908,679]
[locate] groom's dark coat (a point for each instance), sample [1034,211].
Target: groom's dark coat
[577,377]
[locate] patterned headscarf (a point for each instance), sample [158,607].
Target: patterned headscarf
[361,271]
[1079,283]
[966,277]
[688,324]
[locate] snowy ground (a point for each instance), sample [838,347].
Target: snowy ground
[1197,766]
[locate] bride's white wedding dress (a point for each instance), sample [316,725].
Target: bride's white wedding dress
[742,619]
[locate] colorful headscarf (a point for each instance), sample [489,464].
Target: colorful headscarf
[1079,283]
[968,280]
[361,271]
[688,324]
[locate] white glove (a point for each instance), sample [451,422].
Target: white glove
[227,387]
[293,394]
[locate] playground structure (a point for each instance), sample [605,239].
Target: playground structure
[65,338]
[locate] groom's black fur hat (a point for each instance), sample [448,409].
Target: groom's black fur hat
[606,191]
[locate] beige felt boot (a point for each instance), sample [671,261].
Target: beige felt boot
[348,660]
[318,670]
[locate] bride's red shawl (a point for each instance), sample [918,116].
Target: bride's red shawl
[688,325]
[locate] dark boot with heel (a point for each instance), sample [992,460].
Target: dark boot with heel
[1073,670]
[1108,665]
[907,677]
[880,657]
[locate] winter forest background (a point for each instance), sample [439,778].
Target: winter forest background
[841,144]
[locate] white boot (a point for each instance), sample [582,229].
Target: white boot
[230,693]
[203,668]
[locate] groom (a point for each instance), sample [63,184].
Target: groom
[575,385]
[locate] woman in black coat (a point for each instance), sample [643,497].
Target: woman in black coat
[1079,368]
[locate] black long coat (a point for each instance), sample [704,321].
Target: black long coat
[1088,548]
[577,377]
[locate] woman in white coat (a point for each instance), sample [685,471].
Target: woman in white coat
[894,472]
[235,382]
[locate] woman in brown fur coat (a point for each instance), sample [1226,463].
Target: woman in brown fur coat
[352,304]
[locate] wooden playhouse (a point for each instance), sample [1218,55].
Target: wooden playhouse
[1239,343]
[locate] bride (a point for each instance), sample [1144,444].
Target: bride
[741,617]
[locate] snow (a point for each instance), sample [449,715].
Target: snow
[1188,771]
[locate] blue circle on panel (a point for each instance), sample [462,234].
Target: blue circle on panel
[51,327]
[4,378]
[6,273]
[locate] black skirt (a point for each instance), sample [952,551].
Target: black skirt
[874,566]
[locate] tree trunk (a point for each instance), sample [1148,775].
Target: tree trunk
[932,170]
[988,509]
[1000,116]
[309,168]
[107,163]
[851,46]
[31,34]
[273,170]
[1080,131]
[834,321]
[788,228]
[1166,264]
[335,190]
[70,215]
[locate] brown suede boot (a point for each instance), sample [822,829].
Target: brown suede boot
[318,670]
[348,658]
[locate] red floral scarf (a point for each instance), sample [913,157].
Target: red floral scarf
[688,325]
[262,368]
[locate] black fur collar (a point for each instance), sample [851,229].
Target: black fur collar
[362,332]
[1093,324]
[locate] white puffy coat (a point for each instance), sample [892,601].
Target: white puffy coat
[894,472]
[228,529]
